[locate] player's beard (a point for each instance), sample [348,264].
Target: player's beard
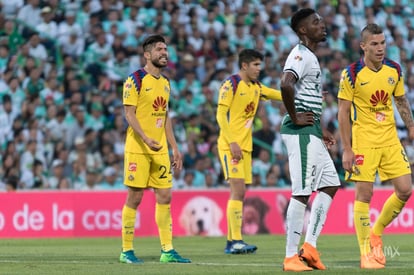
[158,64]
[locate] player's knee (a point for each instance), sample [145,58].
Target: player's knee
[404,194]
[330,191]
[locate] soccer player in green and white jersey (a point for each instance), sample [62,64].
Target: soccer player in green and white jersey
[310,165]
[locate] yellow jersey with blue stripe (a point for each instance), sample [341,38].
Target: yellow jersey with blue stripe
[371,93]
[242,100]
[150,95]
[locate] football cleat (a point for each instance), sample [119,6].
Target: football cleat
[368,262]
[310,255]
[240,247]
[376,248]
[227,249]
[128,257]
[295,264]
[172,256]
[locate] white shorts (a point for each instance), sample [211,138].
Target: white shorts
[310,165]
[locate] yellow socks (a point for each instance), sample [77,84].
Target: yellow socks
[234,219]
[389,212]
[164,223]
[128,228]
[362,226]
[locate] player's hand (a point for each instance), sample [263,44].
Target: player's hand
[177,162]
[328,139]
[348,160]
[303,119]
[153,144]
[236,152]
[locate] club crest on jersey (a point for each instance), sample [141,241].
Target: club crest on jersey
[391,80]
[132,166]
[166,89]
[160,104]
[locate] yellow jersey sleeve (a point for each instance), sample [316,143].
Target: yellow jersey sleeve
[270,93]
[345,88]
[130,92]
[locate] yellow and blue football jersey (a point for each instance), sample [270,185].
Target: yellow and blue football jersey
[150,95]
[242,99]
[371,93]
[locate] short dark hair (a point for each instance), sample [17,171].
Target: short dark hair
[6,98]
[371,28]
[298,17]
[249,55]
[150,41]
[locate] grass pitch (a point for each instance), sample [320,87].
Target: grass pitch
[100,256]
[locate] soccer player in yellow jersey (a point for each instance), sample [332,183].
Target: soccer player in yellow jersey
[147,163]
[370,141]
[310,165]
[238,100]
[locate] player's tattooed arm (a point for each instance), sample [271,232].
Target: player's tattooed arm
[403,107]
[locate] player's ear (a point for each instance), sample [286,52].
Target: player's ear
[244,66]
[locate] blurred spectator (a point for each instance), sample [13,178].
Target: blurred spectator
[188,179]
[261,165]
[48,29]
[29,14]
[11,184]
[178,179]
[7,115]
[57,175]
[35,178]
[64,184]
[111,181]
[72,45]
[91,181]
[36,49]
[78,176]
[69,26]
[61,85]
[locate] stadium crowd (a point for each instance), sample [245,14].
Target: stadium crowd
[63,63]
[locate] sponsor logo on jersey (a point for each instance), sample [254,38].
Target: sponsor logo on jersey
[132,166]
[127,89]
[160,104]
[249,109]
[380,117]
[359,159]
[379,96]
[298,57]
[159,123]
